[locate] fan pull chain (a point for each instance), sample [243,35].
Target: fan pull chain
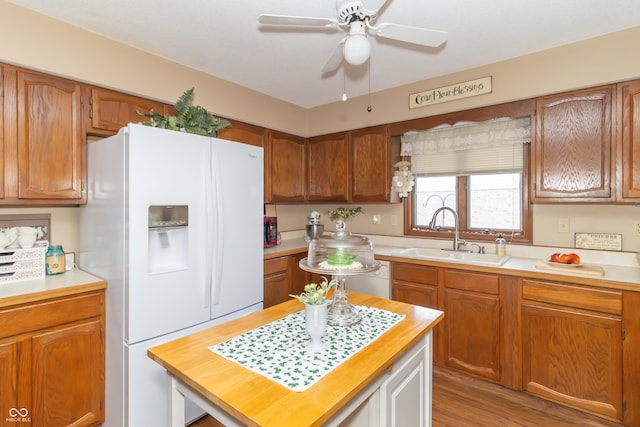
[369,72]
[344,84]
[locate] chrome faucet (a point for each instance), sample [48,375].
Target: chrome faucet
[456,236]
[480,248]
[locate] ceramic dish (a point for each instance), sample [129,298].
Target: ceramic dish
[562,265]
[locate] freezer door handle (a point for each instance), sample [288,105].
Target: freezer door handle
[219,229]
[208,274]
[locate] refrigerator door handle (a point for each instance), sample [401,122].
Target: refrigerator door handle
[219,225]
[208,273]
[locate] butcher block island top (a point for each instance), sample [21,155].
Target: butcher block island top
[243,397]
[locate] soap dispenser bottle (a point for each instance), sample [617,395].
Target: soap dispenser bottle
[501,245]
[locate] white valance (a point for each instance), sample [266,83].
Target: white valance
[468,147]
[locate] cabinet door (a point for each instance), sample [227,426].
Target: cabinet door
[50,141]
[405,397]
[327,171]
[68,376]
[572,151]
[413,293]
[473,333]
[629,152]
[108,110]
[276,281]
[286,166]
[14,383]
[276,289]
[415,284]
[243,132]
[573,357]
[299,277]
[371,165]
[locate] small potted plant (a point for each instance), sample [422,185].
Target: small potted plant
[314,298]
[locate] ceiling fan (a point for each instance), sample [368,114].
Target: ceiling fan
[352,16]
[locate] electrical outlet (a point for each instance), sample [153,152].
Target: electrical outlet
[394,220]
[375,219]
[636,228]
[563,225]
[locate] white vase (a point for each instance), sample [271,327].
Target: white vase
[316,322]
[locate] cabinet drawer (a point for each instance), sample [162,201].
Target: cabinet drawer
[475,282]
[46,314]
[276,265]
[601,300]
[415,273]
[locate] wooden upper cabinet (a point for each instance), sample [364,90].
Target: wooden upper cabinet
[572,147]
[287,165]
[370,165]
[629,141]
[327,168]
[50,144]
[107,111]
[243,132]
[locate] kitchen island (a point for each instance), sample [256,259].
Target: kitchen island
[388,379]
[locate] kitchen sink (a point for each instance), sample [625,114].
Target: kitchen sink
[453,256]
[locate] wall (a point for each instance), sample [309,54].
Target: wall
[38,42]
[582,218]
[610,58]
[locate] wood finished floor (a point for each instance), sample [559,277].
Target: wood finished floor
[463,401]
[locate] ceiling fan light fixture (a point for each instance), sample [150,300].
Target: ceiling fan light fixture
[357,49]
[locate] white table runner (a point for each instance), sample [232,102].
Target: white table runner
[278,351]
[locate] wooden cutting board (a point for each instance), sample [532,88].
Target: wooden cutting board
[580,269]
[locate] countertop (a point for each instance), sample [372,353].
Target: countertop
[71,282]
[256,400]
[621,270]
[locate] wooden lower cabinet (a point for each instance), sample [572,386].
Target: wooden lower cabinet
[415,284]
[276,281]
[283,277]
[52,363]
[572,346]
[418,284]
[473,324]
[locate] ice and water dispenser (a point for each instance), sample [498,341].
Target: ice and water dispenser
[168,238]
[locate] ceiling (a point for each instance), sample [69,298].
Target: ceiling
[224,38]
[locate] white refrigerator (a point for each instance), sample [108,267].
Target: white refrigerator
[173,223]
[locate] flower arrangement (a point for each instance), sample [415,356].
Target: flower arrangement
[344,213]
[315,293]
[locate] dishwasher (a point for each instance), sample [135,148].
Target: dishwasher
[375,284]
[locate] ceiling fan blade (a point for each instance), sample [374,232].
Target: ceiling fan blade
[375,6]
[297,20]
[336,58]
[416,35]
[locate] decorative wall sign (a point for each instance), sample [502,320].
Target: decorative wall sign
[602,241]
[451,93]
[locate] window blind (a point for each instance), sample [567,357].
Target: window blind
[468,147]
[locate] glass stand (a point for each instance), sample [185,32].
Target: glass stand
[341,313]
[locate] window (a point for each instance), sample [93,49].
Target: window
[485,183]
